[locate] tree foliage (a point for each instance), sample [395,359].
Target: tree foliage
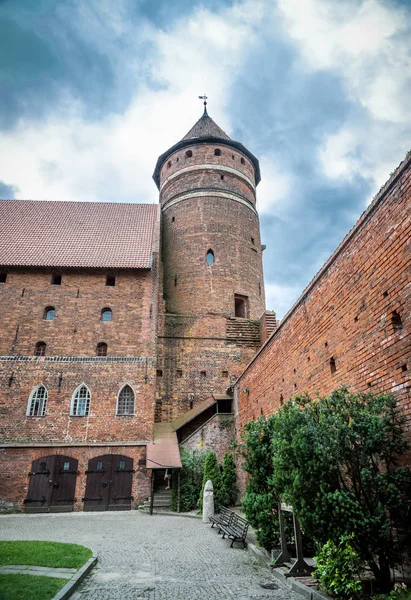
[229,481]
[191,479]
[335,461]
[260,501]
[212,472]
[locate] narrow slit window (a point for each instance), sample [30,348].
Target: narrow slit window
[179,373]
[175,280]
[110,281]
[242,161]
[189,154]
[49,313]
[40,349]
[56,279]
[210,257]
[101,349]
[80,403]
[396,321]
[106,314]
[333,366]
[37,402]
[125,403]
[169,164]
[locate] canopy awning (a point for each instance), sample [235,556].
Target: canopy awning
[164,453]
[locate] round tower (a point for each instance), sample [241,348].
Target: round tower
[211,235]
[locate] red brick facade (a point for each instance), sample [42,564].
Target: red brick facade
[352,325]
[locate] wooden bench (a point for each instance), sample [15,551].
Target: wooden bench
[224,518]
[236,530]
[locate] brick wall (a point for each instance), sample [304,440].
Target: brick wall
[216,434]
[346,316]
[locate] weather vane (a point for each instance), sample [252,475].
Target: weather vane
[204,97]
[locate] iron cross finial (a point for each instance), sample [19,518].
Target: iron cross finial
[204,97]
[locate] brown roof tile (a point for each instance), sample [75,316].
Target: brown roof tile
[76,234]
[205,127]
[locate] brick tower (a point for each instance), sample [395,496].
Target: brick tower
[213,286]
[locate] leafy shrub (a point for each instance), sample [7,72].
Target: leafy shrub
[229,481]
[191,479]
[335,461]
[260,502]
[339,568]
[212,472]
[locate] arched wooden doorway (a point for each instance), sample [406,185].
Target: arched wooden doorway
[109,482]
[52,484]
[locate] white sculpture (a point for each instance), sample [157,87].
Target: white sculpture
[208,502]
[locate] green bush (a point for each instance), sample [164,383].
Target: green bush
[212,472]
[339,568]
[191,479]
[335,461]
[229,481]
[260,502]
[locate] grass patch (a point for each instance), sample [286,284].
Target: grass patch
[44,554]
[29,587]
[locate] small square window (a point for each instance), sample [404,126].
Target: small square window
[66,466]
[224,373]
[110,280]
[179,373]
[99,466]
[121,465]
[56,279]
[159,372]
[203,373]
[3,277]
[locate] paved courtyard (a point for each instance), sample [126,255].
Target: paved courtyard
[152,558]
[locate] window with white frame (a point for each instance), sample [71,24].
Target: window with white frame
[125,401]
[80,402]
[37,402]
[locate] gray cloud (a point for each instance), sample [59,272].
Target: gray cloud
[7,192]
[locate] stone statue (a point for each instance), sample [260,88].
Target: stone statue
[208,502]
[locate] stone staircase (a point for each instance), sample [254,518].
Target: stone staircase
[162,501]
[243,331]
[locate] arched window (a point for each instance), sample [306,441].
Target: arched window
[80,402]
[106,314]
[189,154]
[37,402]
[217,152]
[242,161]
[169,164]
[101,349]
[125,401]
[40,349]
[210,257]
[49,313]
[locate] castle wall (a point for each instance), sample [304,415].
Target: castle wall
[348,314]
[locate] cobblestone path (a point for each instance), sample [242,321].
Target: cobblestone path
[151,558]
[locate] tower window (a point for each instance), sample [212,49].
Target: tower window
[189,154]
[242,161]
[217,152]
[396,321]
[110,280]
[203,373]
[101,349]
[3,277]
[56,279]
[125,402]
[222,177]
[333,366]
[210,257]
[169,164]
[37,402]
[106,314]
[159,372]
[241,306]
[224,373]
[175,280]
[40,349]
[49,313]
[173,219]
[80,402]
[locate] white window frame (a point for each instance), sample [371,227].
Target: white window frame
[118,398]
[32,400]
[73,398]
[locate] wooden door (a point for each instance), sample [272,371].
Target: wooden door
[41,485]
[120,497]
[64,484]
[109,482]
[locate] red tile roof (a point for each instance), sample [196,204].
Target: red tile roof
[76,234]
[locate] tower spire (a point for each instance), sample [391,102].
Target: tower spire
[204,97]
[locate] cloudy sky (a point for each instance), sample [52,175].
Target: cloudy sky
[92,91]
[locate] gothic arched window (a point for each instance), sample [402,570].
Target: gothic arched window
[106,314]
[125,401]
[37,402]
[80,401]
[210,257]
[49,313]
[217,152]
[40,349]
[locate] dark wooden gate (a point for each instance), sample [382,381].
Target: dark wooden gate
[109,482]
[52,484]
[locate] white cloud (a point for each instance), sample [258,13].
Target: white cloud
[280,298]
[275,185]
